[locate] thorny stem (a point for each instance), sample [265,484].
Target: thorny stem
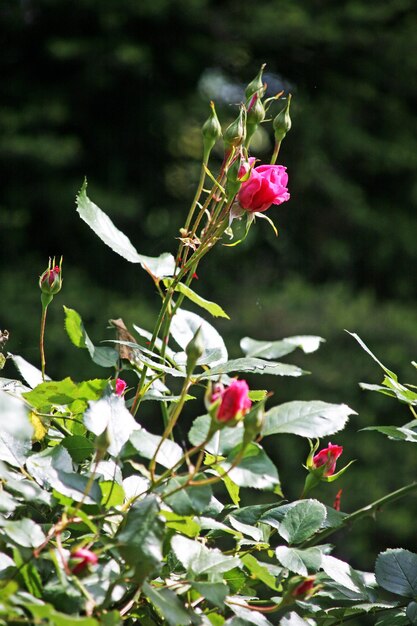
[369,509]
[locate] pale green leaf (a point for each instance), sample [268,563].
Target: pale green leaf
[213,308]
[302,521]
[253,366]
[146,444]
[396,571]
[299,561]
[104,228]
[200,560]
[168,604]
[15,430]
[307,419]
[185,324]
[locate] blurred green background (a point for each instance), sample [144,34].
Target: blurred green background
[117,90]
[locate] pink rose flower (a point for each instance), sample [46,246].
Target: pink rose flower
[83,558]
[120,386]
[328,457]
[266,185]
[234,401]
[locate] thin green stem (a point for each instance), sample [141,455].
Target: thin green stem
[275,153]
[42,340]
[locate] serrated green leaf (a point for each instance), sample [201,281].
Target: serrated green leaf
[111,415]
[396,571]
[396,433]
[254,470]
[302,521]
[31,374]
[184,524]
[52,468]
[16,431]
[185,324]
[168,604]
[79,447]
[222,442]
[101,224]
[213,592]
[253,366]
[188,499]
[140,538]
[146,444]
[200,560]
[259,571]
[214,309]
[306,419]
[101,355]
[25,533]
[299,561]
[339,571]
[113,494]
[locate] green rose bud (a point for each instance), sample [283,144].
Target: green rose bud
[212,131]
[235,134]
[194,350]
[282,122]
[256,84]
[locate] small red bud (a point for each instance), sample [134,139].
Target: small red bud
[82,559]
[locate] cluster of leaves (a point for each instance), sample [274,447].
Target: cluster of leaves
[78,470]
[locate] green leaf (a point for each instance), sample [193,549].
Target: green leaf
[213,592]
[185,324]
[396,571]
[65,392]
[222,442]
[396,433]
[209,306]
[277,349]
[104,356]
[253,366]
[302,521]
[111,415]
[168,604]
[200,560]
[293,619]
[52,468]
[188,500]
[80,448]
[411,613]
[140,538]
[15,430]
[31,374]
[339,571]
[25,533]
[113,494]
[47,612]
[101,224]
[183,524]
[299,561]
[254,470]
[307,419]
[246,617]
[146,444]
[259,571]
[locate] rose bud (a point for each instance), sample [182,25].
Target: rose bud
[266,185]
[50,282]
[120,386]
[212,131]
[282,122]
[235,133]
[327,458]
[234,402]
[256,84]
[82,559]
[304,589]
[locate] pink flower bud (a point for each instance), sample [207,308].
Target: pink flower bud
[234,401]
[83,558]
[267,185]
[327,458]
[120,386]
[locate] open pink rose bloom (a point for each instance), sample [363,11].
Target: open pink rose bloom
[266,185]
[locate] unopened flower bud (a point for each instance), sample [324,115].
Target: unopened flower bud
[235,133]
[233,175]
[212,131]
[256,84]
[120,386]
[282,122]
[81,560]
[255,115]
[50,282]
[304,589]
[235,402]
[194,350]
